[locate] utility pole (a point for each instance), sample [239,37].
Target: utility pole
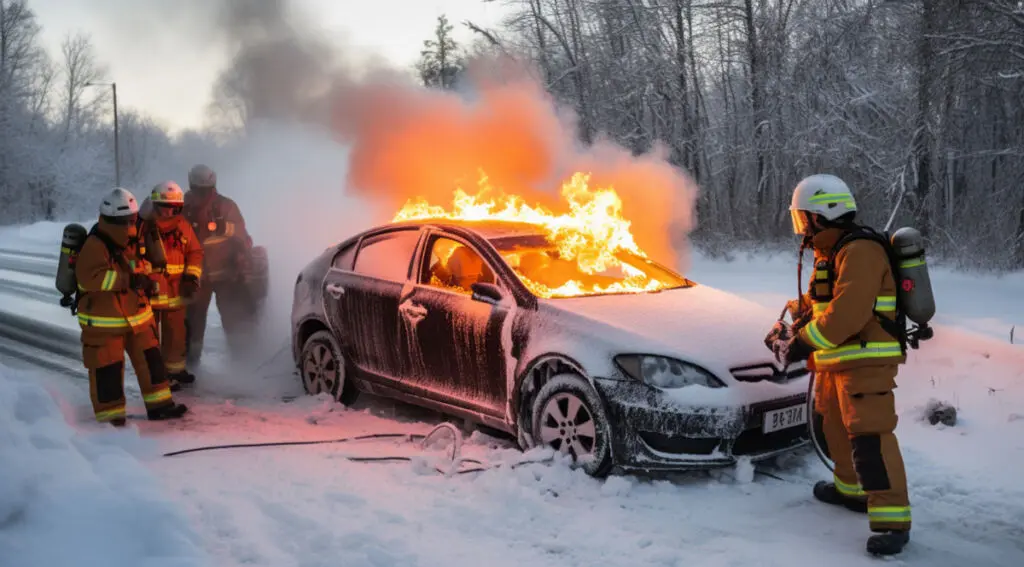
[117,146]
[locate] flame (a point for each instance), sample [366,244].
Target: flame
[591,239]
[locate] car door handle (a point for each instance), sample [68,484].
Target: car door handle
[335,290]
[412,310]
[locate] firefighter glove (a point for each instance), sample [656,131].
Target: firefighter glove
[790,350]
[780,330]
[143,283]
[189,286]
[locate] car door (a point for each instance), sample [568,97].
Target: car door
[361,302]
[456,353]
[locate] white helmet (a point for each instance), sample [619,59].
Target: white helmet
[821,194]
[167,193]
[202,176]
[119,203]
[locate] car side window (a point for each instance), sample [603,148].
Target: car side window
[455,266]
[343,259]
[386,256]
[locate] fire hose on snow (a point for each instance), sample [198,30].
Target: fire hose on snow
[455,459]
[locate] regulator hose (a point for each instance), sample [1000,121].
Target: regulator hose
[455,458]
[812,430]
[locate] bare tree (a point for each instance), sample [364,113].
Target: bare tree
[79,68]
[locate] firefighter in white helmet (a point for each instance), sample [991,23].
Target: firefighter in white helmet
[846,331]
[115,286]
[182,256]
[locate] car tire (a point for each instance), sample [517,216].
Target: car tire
[322,368]
[586,435]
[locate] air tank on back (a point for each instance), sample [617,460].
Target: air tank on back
[915,285]
[70,244]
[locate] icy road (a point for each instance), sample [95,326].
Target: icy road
[80,494]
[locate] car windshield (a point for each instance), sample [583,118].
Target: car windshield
[538,264]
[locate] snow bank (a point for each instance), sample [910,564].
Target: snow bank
[39,237]
[71,499]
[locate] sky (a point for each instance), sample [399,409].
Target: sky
[166,54]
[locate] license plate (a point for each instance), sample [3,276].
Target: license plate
[784,418]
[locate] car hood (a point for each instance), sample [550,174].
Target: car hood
[707,326]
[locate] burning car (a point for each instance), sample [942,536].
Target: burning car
[556,329]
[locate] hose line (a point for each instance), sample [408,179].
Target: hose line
[455,458]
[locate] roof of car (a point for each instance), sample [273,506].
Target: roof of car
[488,229]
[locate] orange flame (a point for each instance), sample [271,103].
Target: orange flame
[593,241]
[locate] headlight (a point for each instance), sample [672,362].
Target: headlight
[666,373]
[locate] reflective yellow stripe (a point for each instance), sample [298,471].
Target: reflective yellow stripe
[136,320]
[821,273]
[162,301]
[889,514]
[110,414]
[157,396]
[819,308]
[175,367]
[214,240]
[229,229]
[109,279]
[196,271]
[65,250]
[830,198]
[848,489]
[912,263]
[885,303]
[174,269]
[140,319]
[817,339]
[886,349]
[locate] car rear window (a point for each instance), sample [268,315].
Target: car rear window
[387,256]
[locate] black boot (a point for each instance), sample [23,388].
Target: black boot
[184,377]
[889,542]
[118,422]
[172,411]
[829,494]
[173,384]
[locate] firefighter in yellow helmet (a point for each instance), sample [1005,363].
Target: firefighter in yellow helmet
[227,247]
[114,313]
[182,256]
[846,333]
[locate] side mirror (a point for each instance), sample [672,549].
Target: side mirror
[486,292]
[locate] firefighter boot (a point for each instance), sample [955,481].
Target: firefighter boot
[183,377]
[173,411]
[889,542]
[827,493]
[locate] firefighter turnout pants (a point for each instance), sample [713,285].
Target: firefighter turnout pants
[237,314]
[171,325]
[103,356]
[859,411]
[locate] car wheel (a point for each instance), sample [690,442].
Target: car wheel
[323,368]
[569,417]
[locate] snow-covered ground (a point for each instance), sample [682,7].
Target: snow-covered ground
[311,506]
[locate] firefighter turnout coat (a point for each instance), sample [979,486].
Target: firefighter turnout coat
[856,362]
[115,317]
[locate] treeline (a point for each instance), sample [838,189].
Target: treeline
[917,104]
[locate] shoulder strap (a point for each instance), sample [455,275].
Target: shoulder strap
[112,248]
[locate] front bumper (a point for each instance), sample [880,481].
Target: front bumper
[648,434]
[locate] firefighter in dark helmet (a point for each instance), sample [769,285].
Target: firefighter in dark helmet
[114,312]
[846,334]
[220,227]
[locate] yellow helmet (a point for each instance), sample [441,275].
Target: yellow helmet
[167,193]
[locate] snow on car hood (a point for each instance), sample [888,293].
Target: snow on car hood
[713,328]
